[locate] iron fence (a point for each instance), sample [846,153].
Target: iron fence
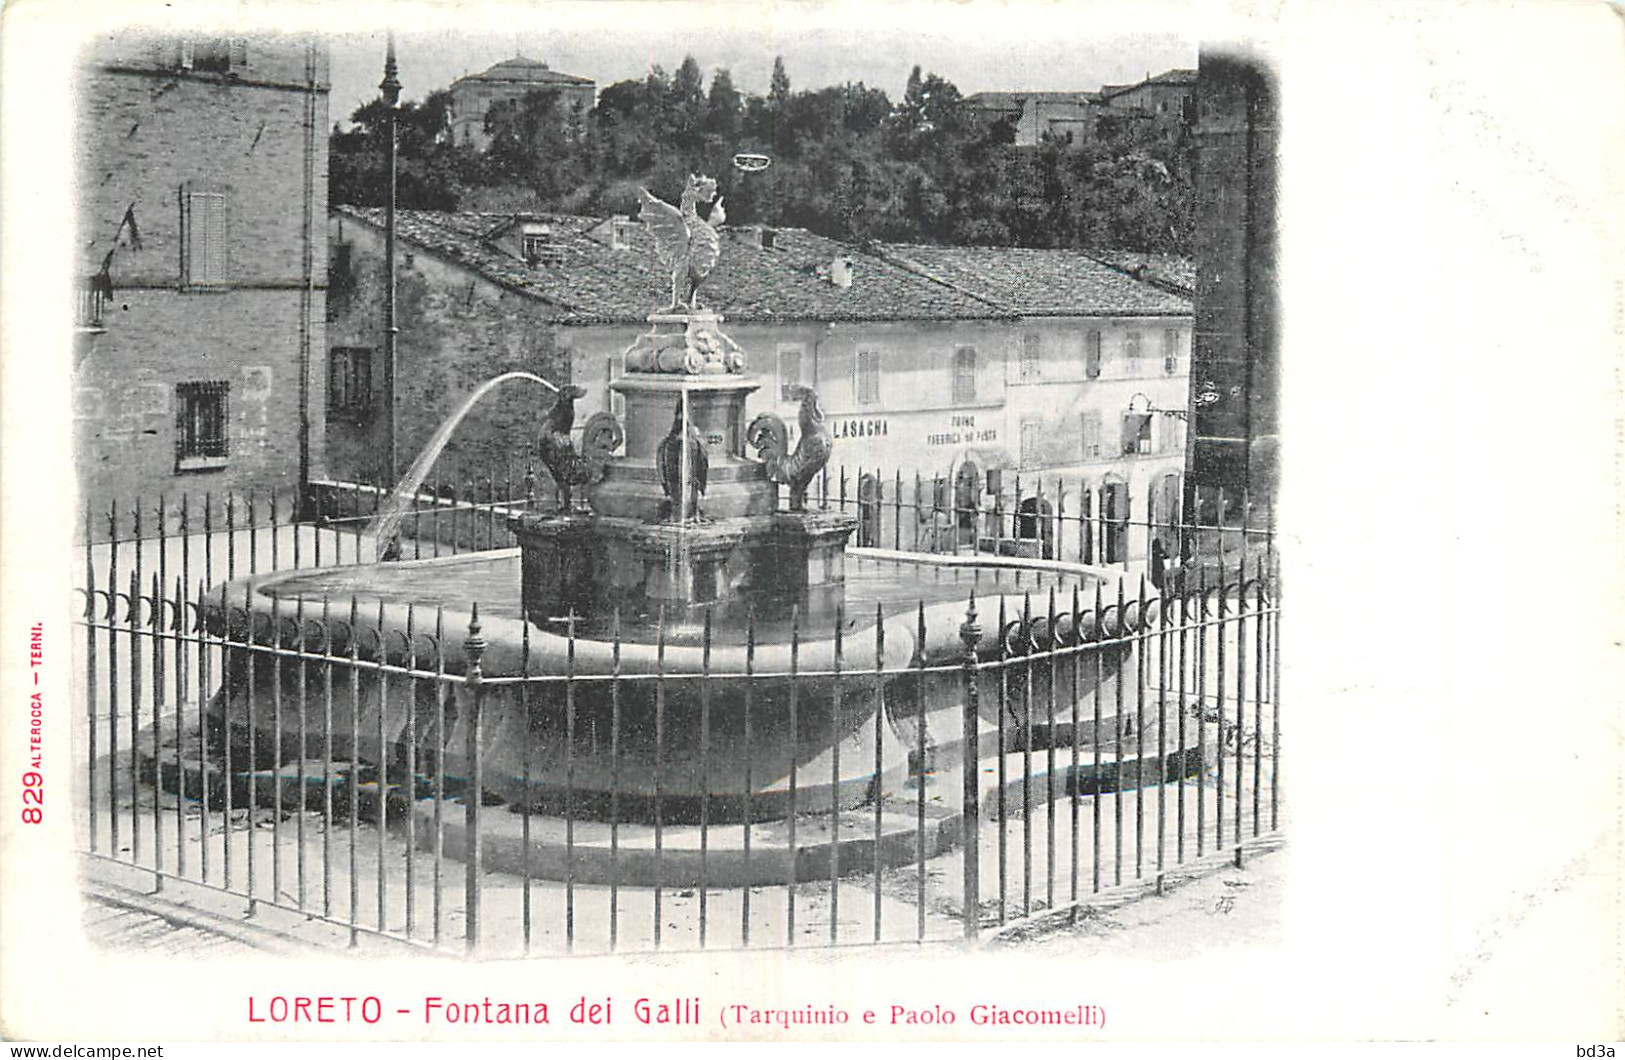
[454,777]
[1055,517]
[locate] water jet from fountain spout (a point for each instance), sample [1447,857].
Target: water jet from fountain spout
[387,520]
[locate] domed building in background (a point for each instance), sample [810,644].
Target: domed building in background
[473,94]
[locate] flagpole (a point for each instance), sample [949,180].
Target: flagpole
[391,88]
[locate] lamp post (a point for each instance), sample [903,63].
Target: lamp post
[391,89]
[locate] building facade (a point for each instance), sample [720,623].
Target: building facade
[203,264]
[508,82]
[1096,374]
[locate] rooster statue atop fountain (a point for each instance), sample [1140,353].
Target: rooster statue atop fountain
[568,466]
[685,243]
[768,434]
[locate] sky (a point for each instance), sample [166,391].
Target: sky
[979,47]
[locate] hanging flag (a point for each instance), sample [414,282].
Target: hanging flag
[129,222]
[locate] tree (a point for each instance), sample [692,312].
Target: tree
[779,87]
[848,162]
[430,171]
[722,107]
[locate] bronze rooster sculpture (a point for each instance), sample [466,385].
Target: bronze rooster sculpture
[767,433]
[569,467]
[682,444]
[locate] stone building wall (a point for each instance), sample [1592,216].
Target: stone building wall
[226,162]
[456,330]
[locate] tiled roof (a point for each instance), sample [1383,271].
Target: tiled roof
[1167,77]
[1173,273]
[986,100]
[595,283]
[1035,282]
[528,71]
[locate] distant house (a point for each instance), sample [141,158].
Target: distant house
[1080,116]
[1170,95]
[203,266]
[1066,115]
[509,81]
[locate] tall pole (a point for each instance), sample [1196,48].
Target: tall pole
[391,88]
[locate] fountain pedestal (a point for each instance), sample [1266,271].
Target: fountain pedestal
[589,565]
[626,554]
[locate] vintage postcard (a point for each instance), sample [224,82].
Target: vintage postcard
[902,521]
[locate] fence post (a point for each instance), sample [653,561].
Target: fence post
[971,633]
[474,650]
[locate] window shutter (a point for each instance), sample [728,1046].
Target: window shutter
[1032,432]
[1032,351]
[789,370]
[1092,355]
[335,379]
[1091,435]
[205,237]
[964,382]
[194,222]
[868,377]
[215,240]
[1170,351]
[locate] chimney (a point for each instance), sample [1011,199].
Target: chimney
[840,271]
[768,236]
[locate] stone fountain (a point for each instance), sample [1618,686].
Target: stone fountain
[680,648]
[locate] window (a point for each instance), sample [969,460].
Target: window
[340,279]
[790,358]
[1091,355]
[218,55]
[1136,433]
[200,425]
[1134,345]
[868,377]
[964,375]
[1032,443]
[203,221]
[1091,436]
[541,250]
[1032,355]
[349,379]
[1170,351]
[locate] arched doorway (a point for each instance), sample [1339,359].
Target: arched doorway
[1035,522]
[869,502]
[1164,514]
[967,502]
[1114,516]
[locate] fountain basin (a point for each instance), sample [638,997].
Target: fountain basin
[663,722]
